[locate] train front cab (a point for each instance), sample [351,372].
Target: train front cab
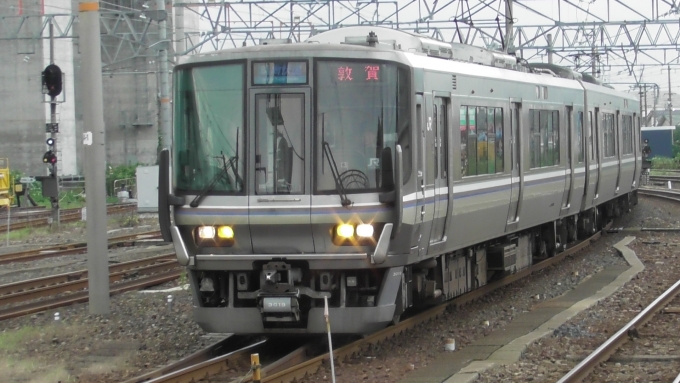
[298,206]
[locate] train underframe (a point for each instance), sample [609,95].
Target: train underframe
[281,296]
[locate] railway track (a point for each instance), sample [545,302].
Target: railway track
[609,348]
[76,248]
[40,294]
[309,365]
[668,194]
[66,216]
[664,178]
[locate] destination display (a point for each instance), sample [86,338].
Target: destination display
[280,72]
[357,72]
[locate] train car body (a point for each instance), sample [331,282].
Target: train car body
[380,170]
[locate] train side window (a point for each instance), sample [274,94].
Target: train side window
[482,142]
[472,141]
[444,136]
[579,136]
[435,127]
[556,137]
[463,141]
[627,131]
[545,126]
[491,140]
[609,139]
[500,153]
[591,135]
[544,131]
[535,138]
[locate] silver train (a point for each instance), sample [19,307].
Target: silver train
[378,170]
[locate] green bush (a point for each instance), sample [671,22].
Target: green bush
[659,163]
[118,173]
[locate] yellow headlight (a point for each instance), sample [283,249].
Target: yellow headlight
[365,230]
[344,230]
[206,232]
[225,232]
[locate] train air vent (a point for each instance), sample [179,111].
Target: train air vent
[454,82]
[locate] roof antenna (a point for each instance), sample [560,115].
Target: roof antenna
[372,39]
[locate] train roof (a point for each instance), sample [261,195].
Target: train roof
[375,38]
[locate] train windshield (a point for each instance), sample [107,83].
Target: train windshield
[362,113]
[209,134]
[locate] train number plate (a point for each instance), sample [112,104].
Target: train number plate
[276,305]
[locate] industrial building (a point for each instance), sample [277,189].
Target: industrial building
[130,82]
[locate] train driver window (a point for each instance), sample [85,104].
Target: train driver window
[362,113]
[208,131]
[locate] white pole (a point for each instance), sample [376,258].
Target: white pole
[9,210]
[330,343]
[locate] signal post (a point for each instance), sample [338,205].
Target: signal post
[52,80]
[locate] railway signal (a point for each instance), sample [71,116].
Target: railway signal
[52,80]
[50,157]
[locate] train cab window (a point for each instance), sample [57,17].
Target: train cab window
[279,143]
[481,131]
[544,135]
[579,137]
[627,132]
[208,129]
[362,113]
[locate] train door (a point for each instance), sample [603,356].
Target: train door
[516,184]
[617,137]
[597,138]
[280,198]
[636,149]
[440,113]
[569,180]
[592,161]
[426,182]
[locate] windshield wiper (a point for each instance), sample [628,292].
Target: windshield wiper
[336,175]
[224,172]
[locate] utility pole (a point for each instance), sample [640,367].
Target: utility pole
[180,46]
[670,101]
[509,21]
[94,140]
[165,128]
[54,201]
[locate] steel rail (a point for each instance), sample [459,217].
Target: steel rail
[197,357]
[76,248]
[203,364]
[24,291]
[665,178]
[671,195]
[70,215]
[609,347]
[83,296]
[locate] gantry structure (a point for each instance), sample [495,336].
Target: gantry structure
[599,36]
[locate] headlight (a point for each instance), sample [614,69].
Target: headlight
[206,232]
[365,230]
[225,232]
[345,231]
